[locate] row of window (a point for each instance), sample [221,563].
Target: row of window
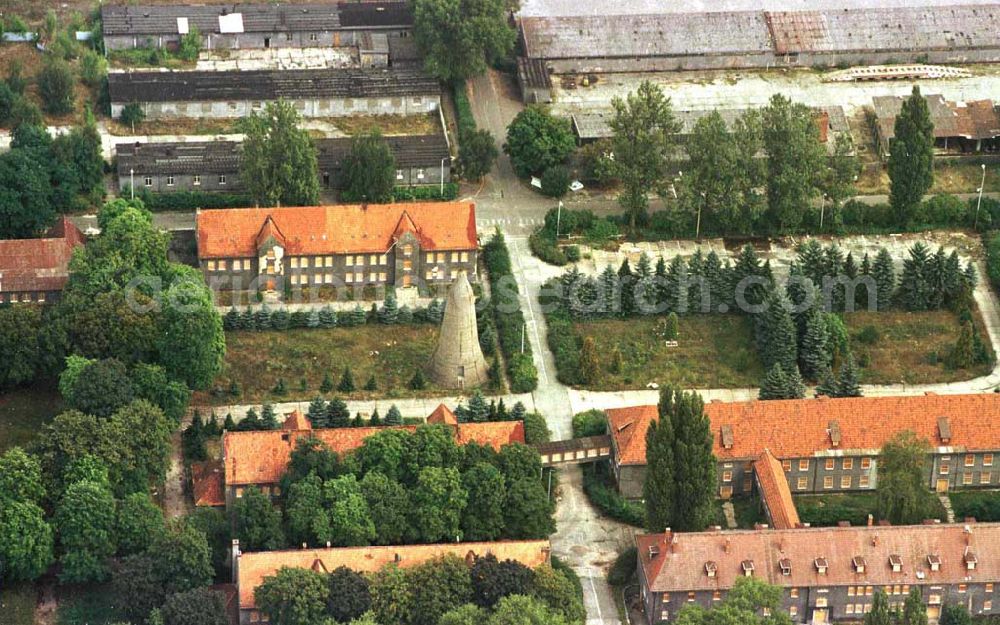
[222,265]
[171,180]
[846,481]
[359,259]
[829,464]
[439,274]
[14,298]
[970,461]
[440,257]
[328,278]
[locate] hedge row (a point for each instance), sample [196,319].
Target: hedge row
[991,243]
[263,318]
[606,499]
[463,110]
[509,318]
[429,192]
[191,200]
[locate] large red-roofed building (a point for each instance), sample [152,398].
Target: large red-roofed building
[829,445]
[36,270]
[825,574]
[356,245]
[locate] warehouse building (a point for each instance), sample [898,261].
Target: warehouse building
[314,93]
[250,26]
[959,127]
[669,41]
[215,165]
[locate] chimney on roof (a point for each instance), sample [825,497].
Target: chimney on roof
[305,545]
[871,520]
[328,545]
[728,546]
[760,526]
[727,436]
[875,540]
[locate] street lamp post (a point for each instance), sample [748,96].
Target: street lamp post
[822,210]
[442,174]
[558,218]
[131,182]
[979,202]
[697,225]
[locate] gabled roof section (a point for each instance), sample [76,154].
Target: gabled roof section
[628,430]
[775,493]
[39,264]
[345,229]
[296,422]
[442,414]
[269,230]
[404,225]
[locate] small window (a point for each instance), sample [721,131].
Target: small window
[148,181]
[864,481]
[399,174]
[349,261]
[786,465]
[197,180]
[970,460]
[793,611]
[441,257]
[313,37]
[848,464]
[372,277]
[222,179]
[845,481]
[987,460]
[328,261]
[691,596]
[803,465]
[869,590]
[830,464]
[828,481]
[849,609]
[407,250]
[802,484]
[359,277]
[866,463]
[294,262]
[963,588]
[727,476]
[716,595]
[944,469]
[967,478]
[454,257]
[350,278]
[211,265]
[987,605]
[288,36]
[328,278]
[420,174]
[465,257]
[794,593]
[989,587]
[381,276]
[170,181]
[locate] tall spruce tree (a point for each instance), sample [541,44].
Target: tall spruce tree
[884,275]
[915,288]
[777,338]
[911,157]
[626,281]
[814,354]
[914,611]
[694,471]
[774,385]
[660,487]
[847,381]
[795,388]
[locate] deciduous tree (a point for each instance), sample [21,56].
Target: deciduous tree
[901,494]
[257,521]
[536,141]
[795,159]
[138,522]
[437,502]
[459,37]
[444,584]
[278,161]
[369,169]
[349,594]
[483,518]
[199,606]
[477,152]
[85,517]
[25,541]
[293,596]
[55,87]
[911,157]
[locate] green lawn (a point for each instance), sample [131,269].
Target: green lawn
[256,360]
[24,411]
[982,505]
[87,605]
[718,351]
[713,351]
[17,604]
[748,512]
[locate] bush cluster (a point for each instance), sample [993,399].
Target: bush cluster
[606,499]
[264,318]
[509,318]
[191,200]
[596,231]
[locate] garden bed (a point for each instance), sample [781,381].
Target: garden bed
[599,486]
[257,360]
[829,509]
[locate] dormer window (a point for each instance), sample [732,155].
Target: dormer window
[896,562]
[934,562]
[710,569]
[747,568]
[970,559]
[786,566]
[944,430]
[727,436]
[859,564]
[653,551]
[834,434]
[821,565]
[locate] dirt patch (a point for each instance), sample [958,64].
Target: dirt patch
[389,124]
[202,126]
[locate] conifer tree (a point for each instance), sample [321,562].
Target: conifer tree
[435,311]
[884,275]
[645,268]
[417,382]
[375,419]
[880,613]
[317,413]
[911,157]
[775,384]
[495,374]
[268,418]
[609,291]
[828,385]
[327,317]
[678,282]
[590,364]
[671,327]
[300,319]
[229,424]
[502,411]
[748,265]
[393,417]
[777,336]
[312,319]
[796,389]
[660,487]
[371,384]
[616,363]
[695,465]
[346,384]
[250,421]
[327,384]
[280,319]
[660,276]
[914,611]
[847,382]
[814,354]
[232,319]
[952,279]
[262,319]
[246,320]
[962,355]
[337,414]
[358,422]
[517,412]
[915,290]
[626,279]
[389,313]
[478,409]
[280,388]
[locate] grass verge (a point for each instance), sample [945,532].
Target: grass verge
[87,605]
[24,411]
[17,604]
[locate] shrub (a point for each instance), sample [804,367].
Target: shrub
[191,200]
[132,114]
[869,335]
[602,231]
[589,423]
[606,499]
[55,86]
[992,246]
[509,319]
[555,181]
[565,350]
[536,431]
[572,253]
[944,209]
[523,374]
[623,570]
[463,110]
[425,193]
[545,249]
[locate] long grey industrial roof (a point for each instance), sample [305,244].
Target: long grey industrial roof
[551,8]
[954,27]
[162,19]
[204,86]
[645,35]
[222,157]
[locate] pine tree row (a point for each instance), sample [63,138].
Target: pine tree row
[389,313]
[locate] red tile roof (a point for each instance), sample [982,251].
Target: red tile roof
[296,421]
[254,567]
[207,484]
[442,414]
[775,492]
[798,428]
[261,457]
[311,230]
[677,562]
[31,265]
